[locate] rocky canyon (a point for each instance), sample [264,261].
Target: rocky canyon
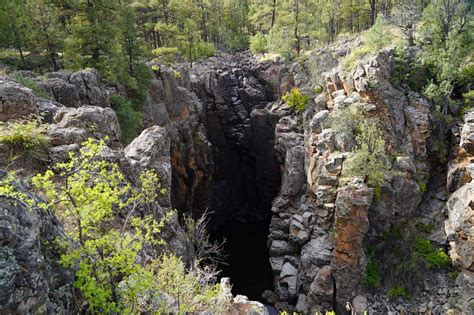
[300,234]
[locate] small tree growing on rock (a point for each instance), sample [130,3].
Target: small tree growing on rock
[295,99]
[370,160]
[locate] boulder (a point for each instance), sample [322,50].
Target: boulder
[62,92]
[74,125]
[348,262]
[88,85]
[151,150]
[16,101]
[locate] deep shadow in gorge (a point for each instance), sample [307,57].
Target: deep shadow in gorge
[246,179]
[245,175]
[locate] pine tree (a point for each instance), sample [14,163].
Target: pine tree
[47,33]
[15,26]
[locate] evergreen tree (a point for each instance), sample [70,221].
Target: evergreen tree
[93,36]
[15,26]
[47,33]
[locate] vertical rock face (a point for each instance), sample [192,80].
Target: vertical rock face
[321,220]
[351,224]
[459,226]
[32,280]
[240,126]
[172,105]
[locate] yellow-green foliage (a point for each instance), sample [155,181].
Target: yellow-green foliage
[295,99]
[89,194]
[166,54]
[370,160]
[8,189]
[258,43]
[193,286]
[379,36]
[27,134]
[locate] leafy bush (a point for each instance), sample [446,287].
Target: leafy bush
[199,245]
[398,292]
[372,277]
[434,257]
[295,99]
[89,193]
[258,43]
[29,83]
[277,41]
[8,187]
[26,134]
[203,50]
[369,160]
[194,288]
[129,118]
[408,70]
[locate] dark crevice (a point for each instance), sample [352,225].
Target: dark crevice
[245,178]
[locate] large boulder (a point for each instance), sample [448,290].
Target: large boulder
[32,280]
[151,150]
[74,125]
[16,101]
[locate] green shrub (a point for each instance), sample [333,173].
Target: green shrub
[408,70]
[204,50]
[369,160]
[29,83]
[345,121]
[377,37]
[396,232]
[424,228]
[295,99]
[422,186]
[435,257]
[258,43]
[26,134]
[372,277]
[105,254]
[130,119]
[398,292]
[318,89]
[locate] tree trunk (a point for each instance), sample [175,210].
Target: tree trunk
[297,35]
[18,45]
[373,11]
[273,14]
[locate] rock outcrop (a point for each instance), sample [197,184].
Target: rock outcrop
[32,280]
